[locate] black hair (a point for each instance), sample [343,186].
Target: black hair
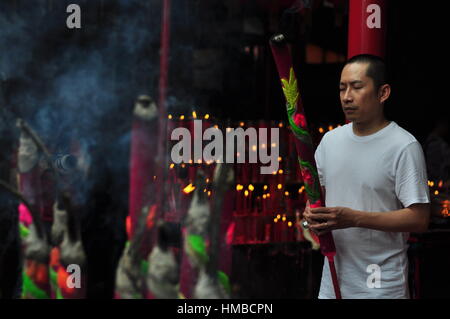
[376,69]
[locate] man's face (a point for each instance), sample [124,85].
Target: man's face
[359,97]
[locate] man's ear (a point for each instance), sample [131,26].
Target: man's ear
[384,92]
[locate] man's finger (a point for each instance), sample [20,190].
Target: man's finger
[319,227]
[323,210]
[319,217]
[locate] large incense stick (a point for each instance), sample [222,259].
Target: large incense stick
[303,142]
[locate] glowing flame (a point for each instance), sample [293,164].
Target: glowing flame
[281,124]
[239,187]
[330,127]
[194,115]
[301,189]
[321,130]
[251,187]
[280,171]
[264,196]
[279,186]
[241,124]
[188,189]
[182,117]
[278,216]
[284,218]
[440,184]
[436,192]
[246,193]
[275,220]
[279,159]
[169,116]
[172,166]
[265,187]
[445,206]
[289,224]
[286,193]
[206,116]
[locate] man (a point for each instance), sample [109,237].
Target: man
[375,183]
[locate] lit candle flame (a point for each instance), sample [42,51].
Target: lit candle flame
[170,116]
[182,117]
[189,189]
[246,193]
[194,115]
[321,130]
[251,187]
[280,186]
[172,165]
[265,187]
[206,116]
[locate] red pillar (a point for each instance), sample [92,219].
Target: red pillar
[367,27]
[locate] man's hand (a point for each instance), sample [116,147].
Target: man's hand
[324,219]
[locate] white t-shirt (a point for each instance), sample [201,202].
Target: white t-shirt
[381,172]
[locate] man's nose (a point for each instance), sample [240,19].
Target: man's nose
[348,98]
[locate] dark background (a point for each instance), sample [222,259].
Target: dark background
[81,84]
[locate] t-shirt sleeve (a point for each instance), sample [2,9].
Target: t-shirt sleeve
[411,185]
[318,156]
